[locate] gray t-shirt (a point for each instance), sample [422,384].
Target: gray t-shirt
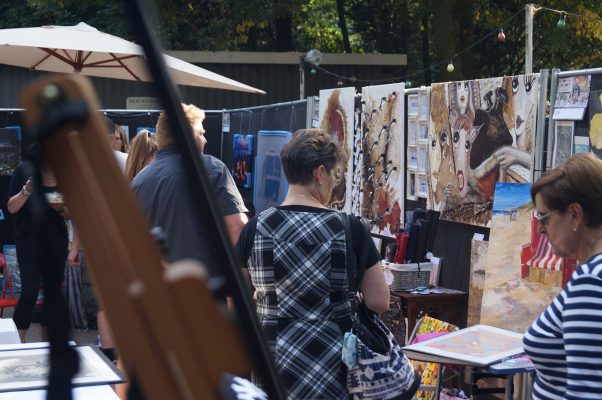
[162,188]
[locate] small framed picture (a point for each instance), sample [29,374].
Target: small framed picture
[563,141]
[411,189]
[580,144]
[412,158]
[412,131]
[423,132]
[413,104]
[425,108]
[422,184]
[422,159]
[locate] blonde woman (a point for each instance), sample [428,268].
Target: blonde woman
[142,151]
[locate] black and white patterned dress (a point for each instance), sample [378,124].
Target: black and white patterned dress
[296,259]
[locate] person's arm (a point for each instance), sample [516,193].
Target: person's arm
[17,201]
[580,331]
[375,290]
[234,224]
[73,256]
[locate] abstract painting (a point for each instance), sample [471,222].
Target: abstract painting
[270,184]
[336,117]
[595,122]
[242,172]
[383,175]
[480,132]
[358,157]
[509,300]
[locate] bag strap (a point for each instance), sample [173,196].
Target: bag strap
[351,260]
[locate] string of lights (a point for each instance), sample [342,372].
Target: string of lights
[450,66]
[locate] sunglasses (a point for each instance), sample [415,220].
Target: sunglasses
[544,218]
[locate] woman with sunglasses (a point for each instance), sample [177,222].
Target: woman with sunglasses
[565,341]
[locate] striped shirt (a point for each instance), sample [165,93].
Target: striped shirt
[565,342]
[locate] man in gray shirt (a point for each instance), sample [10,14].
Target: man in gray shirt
[162,189]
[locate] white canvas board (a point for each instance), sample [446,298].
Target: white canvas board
[101,392]
[422,188]
[479,344]
[28,369]
[413,104]
[336,116]
[424,112]
[412,131]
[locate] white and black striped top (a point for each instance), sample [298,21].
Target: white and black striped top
[565,342]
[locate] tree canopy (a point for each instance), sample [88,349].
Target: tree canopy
[431,33]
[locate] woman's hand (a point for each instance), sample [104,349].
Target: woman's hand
[73,257]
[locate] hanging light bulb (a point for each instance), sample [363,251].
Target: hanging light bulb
[450,66]
[340,83]
[500,36]
[408,84]
[312,71]
[561,22]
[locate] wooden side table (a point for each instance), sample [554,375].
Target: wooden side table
[443,306]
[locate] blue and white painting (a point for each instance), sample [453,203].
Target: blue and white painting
[270,183]
[510,197]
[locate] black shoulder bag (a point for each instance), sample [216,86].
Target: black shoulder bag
[381,370]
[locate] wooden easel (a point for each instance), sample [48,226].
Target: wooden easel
[170,331]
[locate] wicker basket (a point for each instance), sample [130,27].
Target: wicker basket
[403,277]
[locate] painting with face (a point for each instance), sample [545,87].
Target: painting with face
[487,136]
[383,176]
[336,116]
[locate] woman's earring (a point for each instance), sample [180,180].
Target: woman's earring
[575,229]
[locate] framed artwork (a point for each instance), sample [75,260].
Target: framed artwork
[147,128]
[270,185]
[242,172]
[478,345]
[412,158]
[580,144]
[10,150]
[423,132]
[422,183]
[411,190]
[424,105]
[563,141]
[413,104]
[412,131]
[28,369]
[422,159]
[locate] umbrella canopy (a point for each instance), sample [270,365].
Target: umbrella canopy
[85,50]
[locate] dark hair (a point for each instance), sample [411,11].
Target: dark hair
[307,150]
[109,125]
[577,180]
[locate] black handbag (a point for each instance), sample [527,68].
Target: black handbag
[382,371]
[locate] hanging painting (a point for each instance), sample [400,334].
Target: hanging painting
[511,300]
[480,132]
[383,147]
[242,172]
[270,184]
[356,183]
[595,122]
[336,117]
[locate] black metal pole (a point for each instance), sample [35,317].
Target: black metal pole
[208,207]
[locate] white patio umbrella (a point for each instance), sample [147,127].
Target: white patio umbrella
[85,50]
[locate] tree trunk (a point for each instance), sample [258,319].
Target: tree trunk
[426,51]
[343,25]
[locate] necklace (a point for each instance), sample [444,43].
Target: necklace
[310,196]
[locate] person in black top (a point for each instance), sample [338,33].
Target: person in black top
[29,249]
